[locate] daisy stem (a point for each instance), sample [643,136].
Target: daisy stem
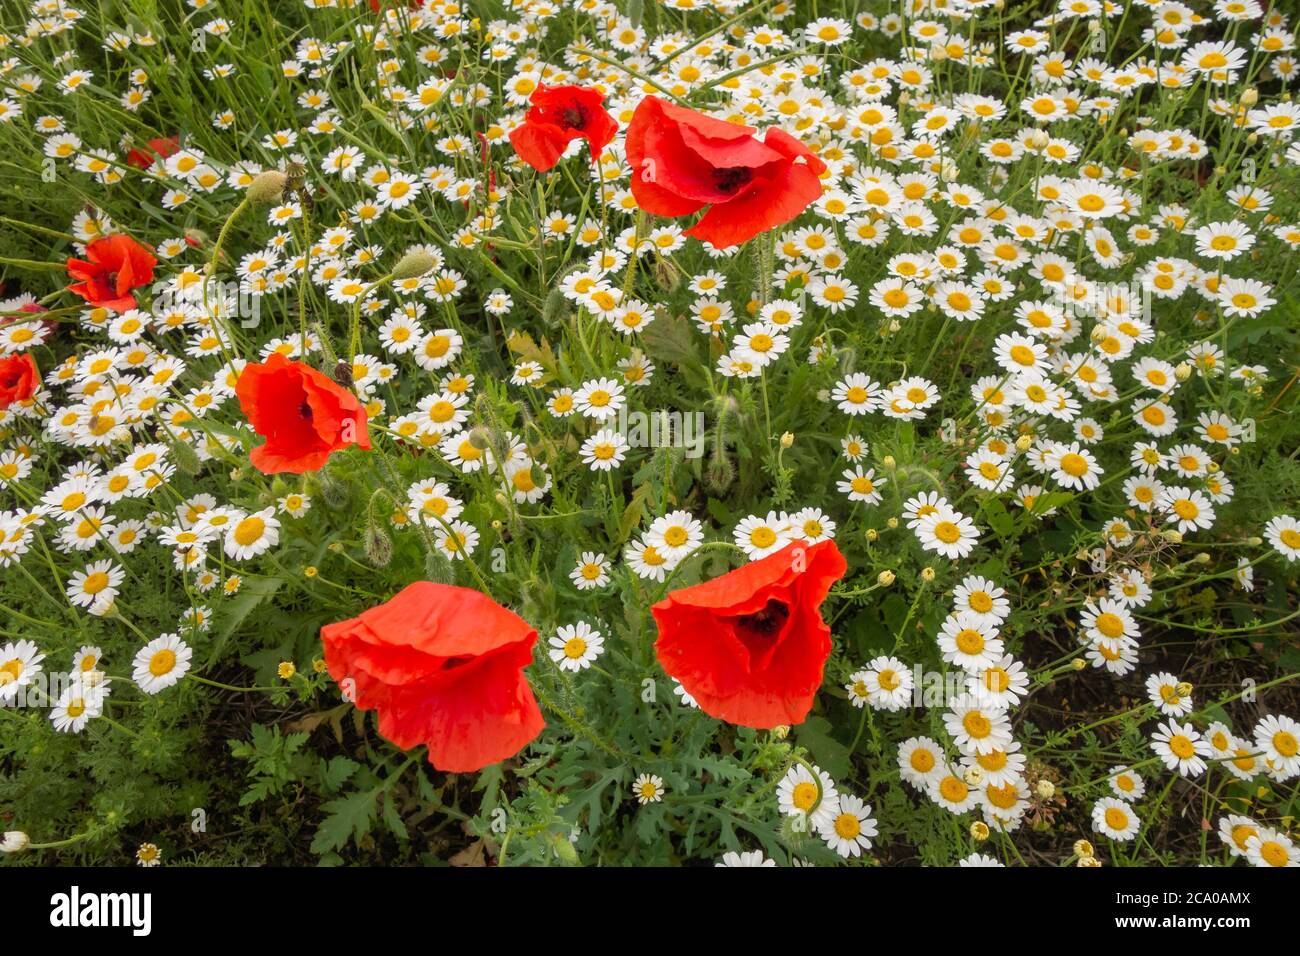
[221,686]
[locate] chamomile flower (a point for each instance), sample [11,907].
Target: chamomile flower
[849,830]
[1115,819]
[800,794]
[1162,691]
[921,762]
[759,537]
[576,646]
[161,663]
[648,788]
[592,571]
[1180,748]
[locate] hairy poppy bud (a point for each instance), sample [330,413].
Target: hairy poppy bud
[267,188]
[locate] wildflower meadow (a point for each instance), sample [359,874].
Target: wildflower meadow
[649,433]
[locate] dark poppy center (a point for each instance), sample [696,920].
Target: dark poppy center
[766,623]
[730,178]
[451,663]
[574,117]
[305,410]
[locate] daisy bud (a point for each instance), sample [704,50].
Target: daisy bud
[1173,537]
[892,524]
[286,670]
[904,98]
[999,4]
[1182,371]
[14,840]
[1039,139]
[889,463]
[872,534]
[787,439]
[885,578]
[336,547]
[1045,789]
[1250,97]
[267,188]
[927,574]
[1090,862]
[1082,848]
[414,264]
[1202,558]
[1252,139]
[938,54]
[973,776]
[1184,689]
[979,831]
[1078,664]
[894,326]
[310,571]
[1255,542]
[781,731]
[1024,442]
[1094,26]
[319,665]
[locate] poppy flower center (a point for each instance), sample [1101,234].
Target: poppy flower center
[730,178]
[758,630]
[305,410]
[574,117]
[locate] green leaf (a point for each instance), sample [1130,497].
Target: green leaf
[348,817]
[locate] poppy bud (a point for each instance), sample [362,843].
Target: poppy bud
[414,264]
[267,188]
[378,546]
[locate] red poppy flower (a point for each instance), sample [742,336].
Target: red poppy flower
[750,646]
[303,415]
[683,161]
[18,379]
[114,265]
[142,157]
[559,115]
[444,667]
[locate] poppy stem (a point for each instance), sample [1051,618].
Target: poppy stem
[32,264]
